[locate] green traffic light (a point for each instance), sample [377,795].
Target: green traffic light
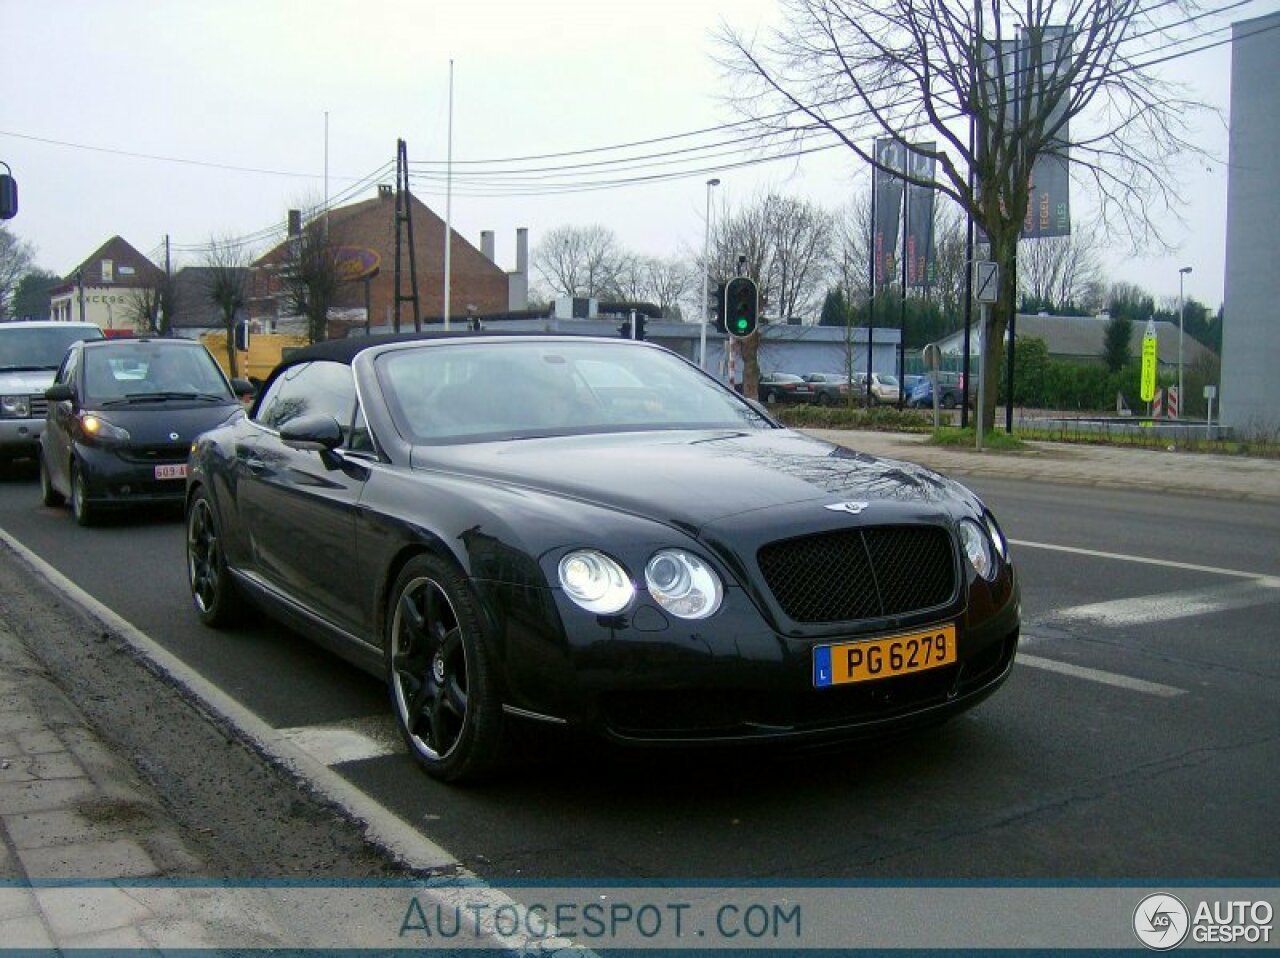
[741,323]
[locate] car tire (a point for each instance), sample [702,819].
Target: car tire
[48,495]
[84,512]
[949,401]
[443,686]
[770,397]
[214,593]
[824,399]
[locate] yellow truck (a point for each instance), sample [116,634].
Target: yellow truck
[265,351]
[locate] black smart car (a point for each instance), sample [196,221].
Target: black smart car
[593,533]
[121,417]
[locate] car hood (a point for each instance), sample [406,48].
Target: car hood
[692,478]
[168,422]
[25,381]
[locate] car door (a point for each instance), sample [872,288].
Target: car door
[299,505]
[55,443]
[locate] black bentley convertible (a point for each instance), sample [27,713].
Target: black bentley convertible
[593,533]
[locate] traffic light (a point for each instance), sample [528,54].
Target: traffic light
[717,309]
[624,327]
[741,307]
[242,335]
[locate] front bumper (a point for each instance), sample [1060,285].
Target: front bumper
[648,681]
[20,437]
[111,479]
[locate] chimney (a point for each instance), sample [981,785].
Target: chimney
[486,244]
[522,250]
[384,191]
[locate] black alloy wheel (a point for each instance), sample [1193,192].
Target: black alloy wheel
[48,495]
[216,599]
[85,514]
[438,674]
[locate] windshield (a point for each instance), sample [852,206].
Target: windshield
[145,371]
[487,390]
[38,347]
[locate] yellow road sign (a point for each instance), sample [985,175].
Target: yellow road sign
[1148,390]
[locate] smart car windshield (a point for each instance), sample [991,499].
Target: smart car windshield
[488,390]
[150,372]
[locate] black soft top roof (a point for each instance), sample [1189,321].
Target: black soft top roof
[346,350]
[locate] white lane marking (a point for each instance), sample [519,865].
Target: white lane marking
[350,741]
[1165,607]
[1167,563]
[1097,675]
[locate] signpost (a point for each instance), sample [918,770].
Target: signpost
[1148,388]
[986,286]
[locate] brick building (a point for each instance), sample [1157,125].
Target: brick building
[476,281]
[106,288]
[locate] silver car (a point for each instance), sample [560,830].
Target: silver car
[30,353]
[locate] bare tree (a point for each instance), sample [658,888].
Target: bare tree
[142,308]
[668,282]
[915,70]
[16,258]
[784,244]
[311,277]
[1059,271]
[227,285]
[580,261]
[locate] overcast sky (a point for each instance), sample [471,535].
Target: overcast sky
[244,85]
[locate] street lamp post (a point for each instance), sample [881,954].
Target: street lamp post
[1182,315]
[706,278]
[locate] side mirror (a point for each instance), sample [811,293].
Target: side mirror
[60,392]
[243,388]
[312,432]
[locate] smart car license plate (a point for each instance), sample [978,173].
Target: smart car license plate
[172,471]
[874,659]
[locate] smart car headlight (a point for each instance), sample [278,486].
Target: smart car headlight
[95,427]
[978,549]
[595,582]
[683,584]
[15,407]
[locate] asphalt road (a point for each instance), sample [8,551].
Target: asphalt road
[1139,736]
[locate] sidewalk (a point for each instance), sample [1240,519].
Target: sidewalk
[1110,467]
[72,810]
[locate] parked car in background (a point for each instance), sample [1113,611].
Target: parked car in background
[829,389]
[121,417]
[950,391]
[29,356]
[884,388]
[480,521]
[784,387]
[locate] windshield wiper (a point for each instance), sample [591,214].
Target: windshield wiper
[163,396]
[25,368]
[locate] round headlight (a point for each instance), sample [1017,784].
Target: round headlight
[978,548]
[997,537]
[683,584]
[595,582]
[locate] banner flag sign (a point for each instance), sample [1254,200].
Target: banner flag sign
[887,185]
[921,261]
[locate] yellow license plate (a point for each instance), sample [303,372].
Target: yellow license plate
[874,659]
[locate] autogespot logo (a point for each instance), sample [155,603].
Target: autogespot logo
[1161,921]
